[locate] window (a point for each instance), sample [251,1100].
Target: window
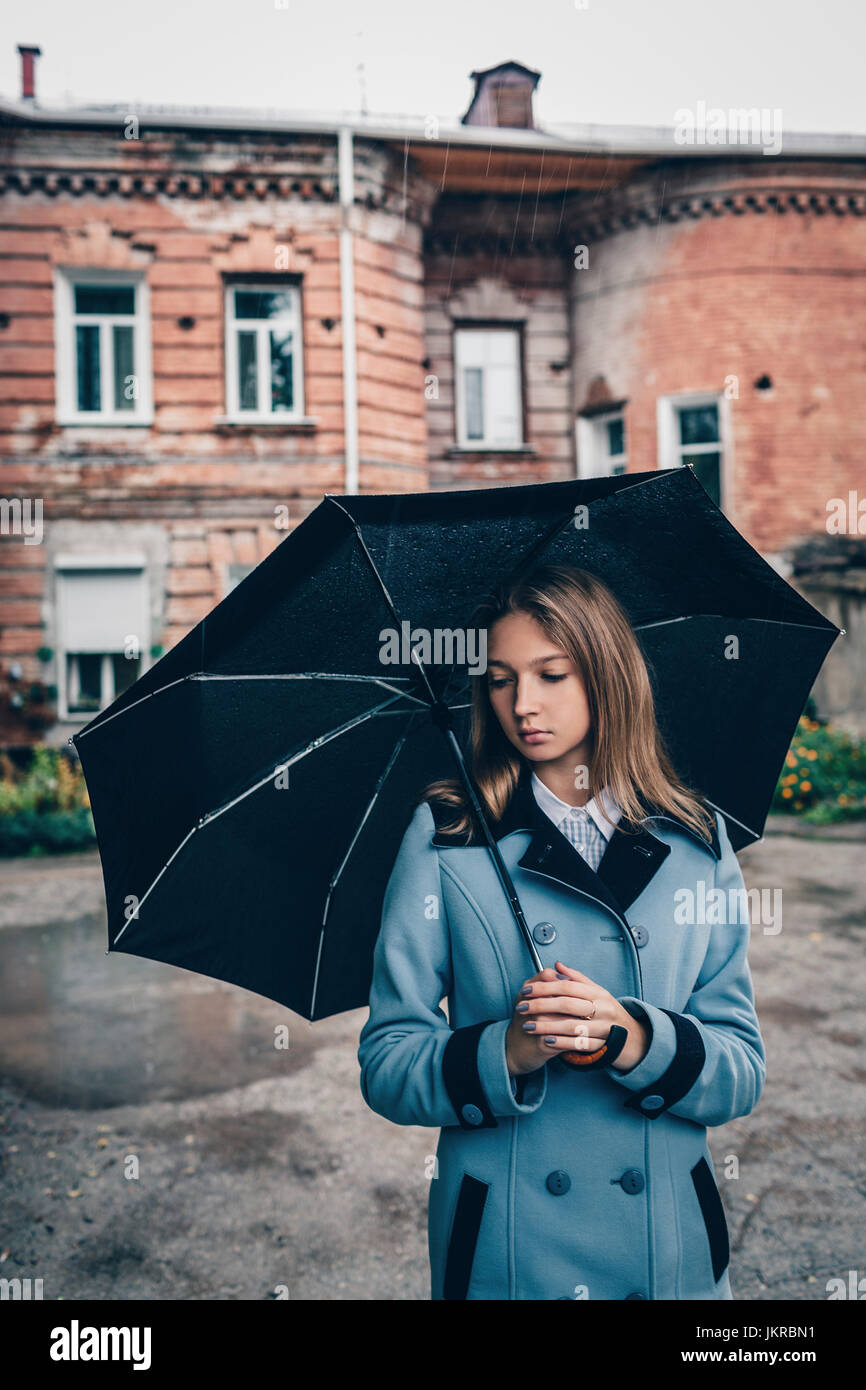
[103,630]
[263,352]
[103,348]
[691,433]
[234,575]
[512,105]
[601,450]
[487,388]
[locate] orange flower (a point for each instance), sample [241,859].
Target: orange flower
[786,791]
[805,786]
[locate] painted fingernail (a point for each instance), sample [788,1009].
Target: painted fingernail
[522,1008]
[550,1040]
[527,989]
[529,1027]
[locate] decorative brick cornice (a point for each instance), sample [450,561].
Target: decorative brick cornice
[621,211]
[667,194]
[103,183]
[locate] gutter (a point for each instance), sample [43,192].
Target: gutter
[346,182]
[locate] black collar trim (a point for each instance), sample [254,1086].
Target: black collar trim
[631,859]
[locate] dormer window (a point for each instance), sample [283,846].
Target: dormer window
[503,97]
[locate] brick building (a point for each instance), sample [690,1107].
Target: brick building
[207,321]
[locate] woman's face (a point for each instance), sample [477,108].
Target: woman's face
[533,684]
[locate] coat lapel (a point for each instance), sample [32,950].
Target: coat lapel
[632,857]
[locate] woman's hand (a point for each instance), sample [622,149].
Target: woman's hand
[555,1018]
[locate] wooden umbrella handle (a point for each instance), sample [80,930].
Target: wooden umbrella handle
[587,1061]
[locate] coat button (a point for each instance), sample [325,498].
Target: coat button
[472,1115]
[558,1182]
[635,1295]
[544,932]
[652,1102]
[639,935]
[631,1180]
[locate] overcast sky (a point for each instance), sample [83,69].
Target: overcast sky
[624,62]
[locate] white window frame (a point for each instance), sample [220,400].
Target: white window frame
[461,332]
[262,328]
[65,280]
[669,447]
[108,563]
[593,458]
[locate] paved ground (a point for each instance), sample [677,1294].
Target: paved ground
[258,1168]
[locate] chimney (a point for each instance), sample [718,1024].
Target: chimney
[29,54]
[503,97]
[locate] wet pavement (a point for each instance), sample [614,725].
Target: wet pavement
[158,1143]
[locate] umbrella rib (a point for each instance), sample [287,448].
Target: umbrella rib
[685,617]
[139,701]
[142,901]
[289,676]
[390,602]
[371,803]
[312,676]
[279,767]
[284,766]
[748,829]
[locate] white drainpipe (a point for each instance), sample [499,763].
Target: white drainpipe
[346,180]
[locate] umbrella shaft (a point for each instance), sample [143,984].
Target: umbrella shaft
[504,876]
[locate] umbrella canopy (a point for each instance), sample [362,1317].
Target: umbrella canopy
[250,790]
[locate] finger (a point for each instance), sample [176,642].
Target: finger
[555,1043]
[567,1028]
[542,988]
[570,972]
[558,1004]
[544,979]
[548,973]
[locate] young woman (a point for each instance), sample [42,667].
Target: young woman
[552,1182]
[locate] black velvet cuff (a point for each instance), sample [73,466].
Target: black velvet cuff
[462,1082]
[680,1076]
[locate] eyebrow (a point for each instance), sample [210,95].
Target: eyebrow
[539,660]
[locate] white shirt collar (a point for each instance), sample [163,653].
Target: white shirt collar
[558,810]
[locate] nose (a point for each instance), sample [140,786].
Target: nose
[524,705]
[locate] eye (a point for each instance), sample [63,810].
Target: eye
[546,676]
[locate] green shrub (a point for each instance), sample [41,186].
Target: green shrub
[44,809]
[49,832]
[824,777]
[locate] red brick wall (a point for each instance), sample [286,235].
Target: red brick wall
[213,486]
[676,306]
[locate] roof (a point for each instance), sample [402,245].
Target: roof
[569,139]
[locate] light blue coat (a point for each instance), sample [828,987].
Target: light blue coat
[565,1184]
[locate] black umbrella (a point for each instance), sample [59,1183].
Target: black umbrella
[251,789]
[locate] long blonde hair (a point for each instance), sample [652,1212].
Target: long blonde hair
[580,614]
